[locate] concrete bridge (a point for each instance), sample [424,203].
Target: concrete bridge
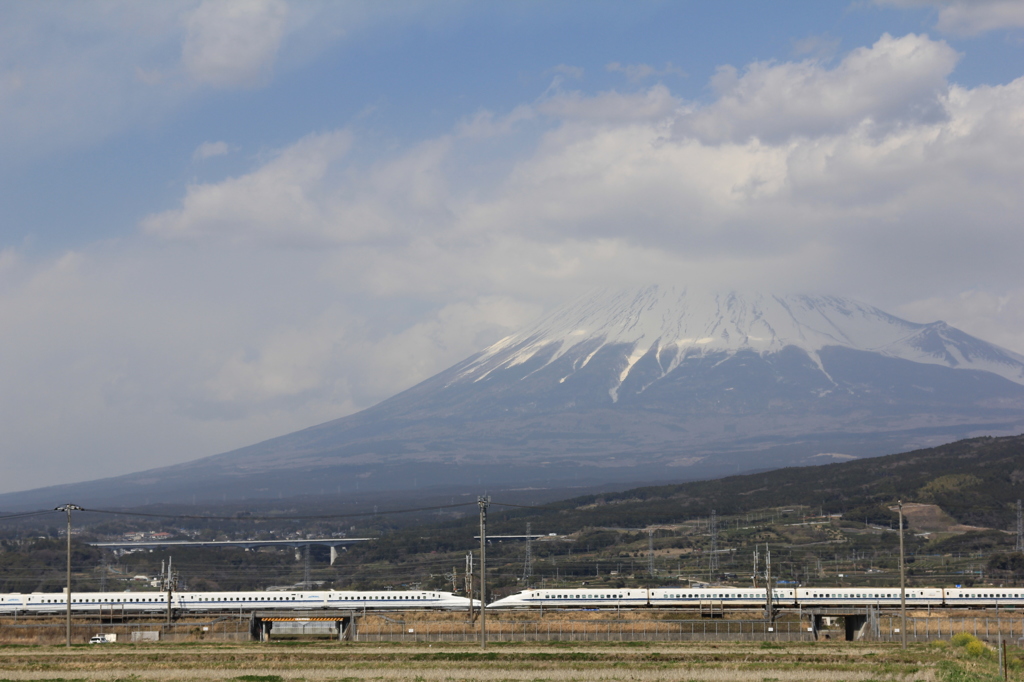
[297,543]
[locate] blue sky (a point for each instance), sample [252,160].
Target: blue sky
[222,221]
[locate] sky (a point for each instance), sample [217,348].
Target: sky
[222,221]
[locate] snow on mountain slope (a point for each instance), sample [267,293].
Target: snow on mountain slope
[681,323]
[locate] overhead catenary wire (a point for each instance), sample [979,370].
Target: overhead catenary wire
[24,515]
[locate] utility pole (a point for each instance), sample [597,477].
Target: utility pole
[903,585]
[170,586]
[305,570]
[756,566]
[483,501]
[68,508]
[650,552]
[770,608]
[528,563]
[713,562]
[1020,528]
[469,584]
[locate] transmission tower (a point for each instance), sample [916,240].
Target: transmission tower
[1020,528]
[528,562]
[650,552]
[713,562]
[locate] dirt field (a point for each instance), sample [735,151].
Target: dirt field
[278,662]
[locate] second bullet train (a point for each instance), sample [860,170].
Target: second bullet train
[738,597]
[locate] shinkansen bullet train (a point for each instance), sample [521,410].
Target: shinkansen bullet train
[139,602]
[739,597]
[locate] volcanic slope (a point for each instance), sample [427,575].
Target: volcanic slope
[654,384]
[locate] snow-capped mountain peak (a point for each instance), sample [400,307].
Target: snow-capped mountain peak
[676,324]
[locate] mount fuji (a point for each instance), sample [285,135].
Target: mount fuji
[659,383]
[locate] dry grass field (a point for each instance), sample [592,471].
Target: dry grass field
[639,662]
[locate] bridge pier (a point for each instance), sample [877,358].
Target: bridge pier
[856,621]
[855,625]
[265,624]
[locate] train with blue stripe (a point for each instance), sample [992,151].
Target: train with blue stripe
[186,602]
[741,597]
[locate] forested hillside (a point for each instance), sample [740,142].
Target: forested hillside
[976,481]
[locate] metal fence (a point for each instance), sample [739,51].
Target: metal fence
[587,631]
[33,632]
[885,627]
[882,627]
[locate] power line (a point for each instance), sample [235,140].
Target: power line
[24,515]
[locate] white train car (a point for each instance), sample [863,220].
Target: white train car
[868,596]
[141,602]
[726,597]
[574,598]
[667,597]
[42,602]
[984,596]
[399,600]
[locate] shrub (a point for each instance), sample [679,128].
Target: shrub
[978,649]
[963,639]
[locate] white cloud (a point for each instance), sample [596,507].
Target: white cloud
[210,149]
[896,81]
[654,103]
[567,70]
[879,149]
[153,356]
[998,318]
[817,46]
[970,17]
[974,18]
[71,74]
[233,43]
[640,72]
[75,74]
[285,198]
